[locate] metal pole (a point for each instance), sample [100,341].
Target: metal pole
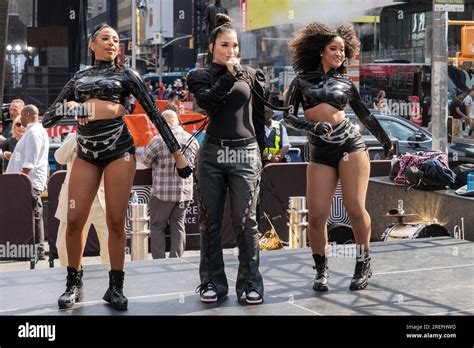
[134,34]
[3,44]
[375,34]
[160,51]
[439,81]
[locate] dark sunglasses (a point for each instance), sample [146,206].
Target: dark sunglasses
[18,124]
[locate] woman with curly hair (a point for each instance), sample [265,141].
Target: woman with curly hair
[337,150]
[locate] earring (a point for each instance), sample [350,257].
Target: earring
[346,62]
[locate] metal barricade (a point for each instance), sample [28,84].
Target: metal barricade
[139,230]
[298,222]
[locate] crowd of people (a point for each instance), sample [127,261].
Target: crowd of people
[163,91]
[25,146]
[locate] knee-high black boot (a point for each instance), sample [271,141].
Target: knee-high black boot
[321,279]
[114,294]
[362,272]
[74,291]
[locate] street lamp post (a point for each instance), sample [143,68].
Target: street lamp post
[134,34]
[160,59]
[160,48]
[439,81]
[160,51]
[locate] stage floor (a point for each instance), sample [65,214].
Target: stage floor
[411,277]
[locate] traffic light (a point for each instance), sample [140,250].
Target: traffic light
[467,41]
[191,43]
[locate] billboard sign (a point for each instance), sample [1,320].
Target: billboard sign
[449,5]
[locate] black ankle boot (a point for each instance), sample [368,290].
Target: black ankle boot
[362,272]
[321,267]
[114,294]
[74,291]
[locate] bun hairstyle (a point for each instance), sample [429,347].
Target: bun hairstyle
[312,40]
[223,25]
[98,28]
[223,19]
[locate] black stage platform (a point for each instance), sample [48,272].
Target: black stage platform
[411,277]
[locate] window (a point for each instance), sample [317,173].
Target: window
[398,130]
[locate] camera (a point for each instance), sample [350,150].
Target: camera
[5,118]
[5,112]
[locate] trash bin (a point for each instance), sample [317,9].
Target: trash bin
[298,222]
[140,231]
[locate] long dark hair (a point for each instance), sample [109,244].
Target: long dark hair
[223,25]
[312,40]
[98,28]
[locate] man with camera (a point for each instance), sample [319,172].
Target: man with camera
[9,113]
[14,110]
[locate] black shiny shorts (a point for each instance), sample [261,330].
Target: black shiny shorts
[344,140]
[103,141]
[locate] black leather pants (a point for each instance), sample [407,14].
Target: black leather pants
[219,172]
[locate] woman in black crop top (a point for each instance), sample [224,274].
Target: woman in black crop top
[337,150]
[96,96]
[229,159]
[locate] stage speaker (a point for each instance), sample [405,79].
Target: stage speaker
[340,234]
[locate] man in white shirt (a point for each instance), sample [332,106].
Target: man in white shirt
[469,105]
[31,158]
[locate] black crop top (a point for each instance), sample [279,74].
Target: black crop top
[107,81]
[314,88]
[233,112]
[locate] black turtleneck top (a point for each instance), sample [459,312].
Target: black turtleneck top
[108,81]
[317,87]
[233,114]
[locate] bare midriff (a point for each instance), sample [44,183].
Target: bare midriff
[103,109]
[325,112]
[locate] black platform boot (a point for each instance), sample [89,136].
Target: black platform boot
[321,267]
[362,272]
[74,291]
[114,294]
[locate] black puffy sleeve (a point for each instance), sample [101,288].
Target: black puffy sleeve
[58,109]
[258,109]
[367,119]
[209,97]
[293,98]
[139,90]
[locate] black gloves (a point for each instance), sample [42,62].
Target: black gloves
[184,172]
[322,128]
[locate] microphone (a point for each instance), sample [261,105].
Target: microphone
[238,70]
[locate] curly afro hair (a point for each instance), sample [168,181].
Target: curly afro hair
[311,41]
